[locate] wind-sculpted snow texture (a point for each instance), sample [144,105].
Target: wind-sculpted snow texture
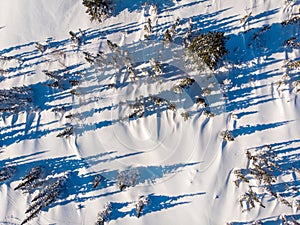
[141,115]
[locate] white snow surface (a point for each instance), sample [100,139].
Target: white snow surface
[184,167]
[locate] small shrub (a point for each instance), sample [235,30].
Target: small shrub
[294,65]
[40,47]
[245,18]
[227,135]
[172,107]
[201,102]
[208,113]
[185,116]
[168,37]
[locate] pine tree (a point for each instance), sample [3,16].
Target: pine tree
[143,201]
[209,48]
[103,216]
[168,37]
[99,10]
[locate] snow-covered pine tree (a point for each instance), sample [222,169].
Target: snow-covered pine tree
[99,10]
[168,37]
[103,216]
[127,178]
[156,66]
[67,132]
[40,47]
[97,181]
[142,202]
[207,48]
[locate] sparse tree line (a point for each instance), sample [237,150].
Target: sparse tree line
[202,52]
[48,188]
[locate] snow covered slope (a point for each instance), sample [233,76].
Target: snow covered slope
[97,113]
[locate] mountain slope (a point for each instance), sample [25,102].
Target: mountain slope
[97,110]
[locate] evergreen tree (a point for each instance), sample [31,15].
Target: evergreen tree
[209,48]
[98,9]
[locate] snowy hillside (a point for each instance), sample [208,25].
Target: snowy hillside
[123,122]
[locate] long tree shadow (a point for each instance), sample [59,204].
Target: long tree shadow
[247,130]
[79,185]
[275,220]
[20,132]
[131,5]
[156,203]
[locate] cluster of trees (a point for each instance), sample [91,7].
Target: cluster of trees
[61,80]
[31,179]
[48,188]
[6,173]
[248,200]
[292,42]
[227,135]
[144,106]
[183,84]
[103,216]
[263,169]
[282,219]
[15,99]
[295,19]
[47,195]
